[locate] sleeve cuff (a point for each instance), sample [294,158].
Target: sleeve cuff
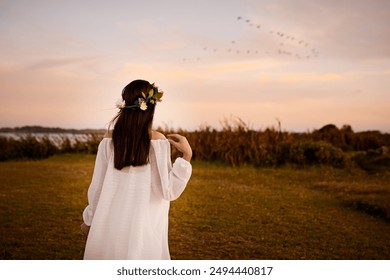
[87,217]
[182,168]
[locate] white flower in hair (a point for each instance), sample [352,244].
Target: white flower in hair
[120,104]
[142,104]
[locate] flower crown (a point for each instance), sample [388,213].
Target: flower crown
[153,97]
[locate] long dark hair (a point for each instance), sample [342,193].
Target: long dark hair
[131,135]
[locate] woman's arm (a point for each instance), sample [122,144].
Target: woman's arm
[171,180]
[181,143]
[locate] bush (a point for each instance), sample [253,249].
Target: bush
[235,144]
[31,147]
[9,149]
[306,153]
[38,148]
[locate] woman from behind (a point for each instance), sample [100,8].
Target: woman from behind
[134,181]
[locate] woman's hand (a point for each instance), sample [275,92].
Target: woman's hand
[181,143]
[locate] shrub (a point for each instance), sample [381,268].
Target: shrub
[93,144]
[235,144]
[9,149]
[306,153]
[31,147]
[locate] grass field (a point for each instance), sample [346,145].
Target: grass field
[225,212]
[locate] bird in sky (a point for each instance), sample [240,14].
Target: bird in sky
[286,44]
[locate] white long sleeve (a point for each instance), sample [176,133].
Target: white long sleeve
[172,180]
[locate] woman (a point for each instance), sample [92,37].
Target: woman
[134,181]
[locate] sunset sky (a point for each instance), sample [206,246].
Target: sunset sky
[306,63]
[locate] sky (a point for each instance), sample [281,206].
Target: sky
[305,63]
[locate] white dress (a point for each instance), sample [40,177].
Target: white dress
[128,208]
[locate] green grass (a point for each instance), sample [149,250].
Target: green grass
[225,212]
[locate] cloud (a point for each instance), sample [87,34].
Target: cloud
[242,66]
[308,77]
[48,63]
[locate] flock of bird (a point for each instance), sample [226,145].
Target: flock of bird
[278,43]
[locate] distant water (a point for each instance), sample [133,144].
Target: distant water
[56,138]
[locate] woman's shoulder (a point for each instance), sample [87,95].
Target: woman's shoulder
[105,143]
[158,136]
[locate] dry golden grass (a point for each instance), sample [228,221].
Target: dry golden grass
[225,213]
[250,213]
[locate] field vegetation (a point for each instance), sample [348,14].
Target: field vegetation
[235,144]
[266,194]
